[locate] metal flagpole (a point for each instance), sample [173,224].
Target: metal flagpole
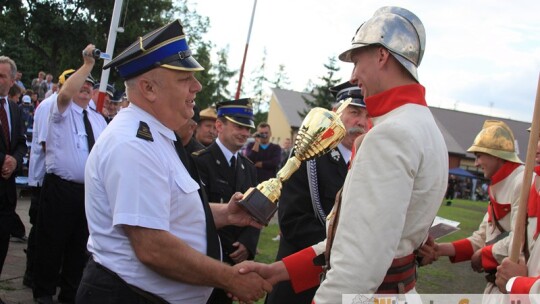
[113,29]
[237,96]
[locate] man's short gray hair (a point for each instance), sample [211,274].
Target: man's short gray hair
[13,66]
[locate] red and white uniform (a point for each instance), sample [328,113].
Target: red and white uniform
[390,198]
[531,284]
[505,191]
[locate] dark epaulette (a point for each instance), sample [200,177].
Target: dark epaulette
[200,152]
[143,131]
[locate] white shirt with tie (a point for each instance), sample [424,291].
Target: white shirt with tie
[67,146]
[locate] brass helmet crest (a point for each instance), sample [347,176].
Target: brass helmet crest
[496,139]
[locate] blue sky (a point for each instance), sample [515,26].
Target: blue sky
[481,56]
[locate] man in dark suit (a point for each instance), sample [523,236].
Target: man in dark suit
[309,195]
[12,149]
[223,172]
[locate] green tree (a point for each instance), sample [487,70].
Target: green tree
[223,77]
[281,79]
[257,86]
[321,93]
[49,35]
[206,78]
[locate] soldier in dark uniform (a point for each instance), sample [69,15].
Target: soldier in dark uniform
[309,195]
[186,133]
[223,172]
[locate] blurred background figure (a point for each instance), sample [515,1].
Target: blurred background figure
[206,127]
[286,145]
[265,155]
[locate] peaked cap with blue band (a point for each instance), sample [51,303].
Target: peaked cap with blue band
[238,111]
[346,90]
[165,47]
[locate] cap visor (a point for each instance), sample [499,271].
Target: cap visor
[346,56]
[246,122]
[186,64]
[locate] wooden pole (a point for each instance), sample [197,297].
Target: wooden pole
[237,95]
[521,220]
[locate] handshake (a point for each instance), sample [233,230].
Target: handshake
[252,280]
[429,252]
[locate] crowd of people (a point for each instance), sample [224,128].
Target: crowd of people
[137,202]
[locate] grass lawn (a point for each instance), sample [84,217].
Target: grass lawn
[440,277]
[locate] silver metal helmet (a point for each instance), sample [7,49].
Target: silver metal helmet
[398,30]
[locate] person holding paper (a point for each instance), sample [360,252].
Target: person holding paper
[486,248]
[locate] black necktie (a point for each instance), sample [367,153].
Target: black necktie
[89,132]
[233,162]
[4,121]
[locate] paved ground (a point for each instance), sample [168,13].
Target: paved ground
[11,288]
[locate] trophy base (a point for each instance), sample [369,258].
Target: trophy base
[259,206]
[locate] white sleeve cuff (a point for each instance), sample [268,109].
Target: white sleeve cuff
[509,284]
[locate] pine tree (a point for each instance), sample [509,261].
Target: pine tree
[281,79]
[321,93]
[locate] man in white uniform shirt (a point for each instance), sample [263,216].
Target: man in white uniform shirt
[62,231]
[152,237]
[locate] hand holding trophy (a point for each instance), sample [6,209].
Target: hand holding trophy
[320,132]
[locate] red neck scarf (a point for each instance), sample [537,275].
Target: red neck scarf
[394,98]
[503,172]
[499,209]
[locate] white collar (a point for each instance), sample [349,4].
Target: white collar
[346,153]
[226,152]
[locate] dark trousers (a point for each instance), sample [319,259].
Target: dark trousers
[283,293]
[17,228]
[33,212]
[62,234]
[100,285]
[7,215]
[219,296]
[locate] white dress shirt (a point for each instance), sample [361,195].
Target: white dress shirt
[141,182]
[67,146]
[36,168]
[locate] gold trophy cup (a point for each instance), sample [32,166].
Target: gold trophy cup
[320,132]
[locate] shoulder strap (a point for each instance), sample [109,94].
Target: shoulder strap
[493,217]
[332,226]
[313,183]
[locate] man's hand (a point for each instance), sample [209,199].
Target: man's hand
[507,270]
[10,164]
[247,287]
[237,216]
[273,273]
[87,54]
[429,252]
[476,261]
[240,254]
[258,164]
